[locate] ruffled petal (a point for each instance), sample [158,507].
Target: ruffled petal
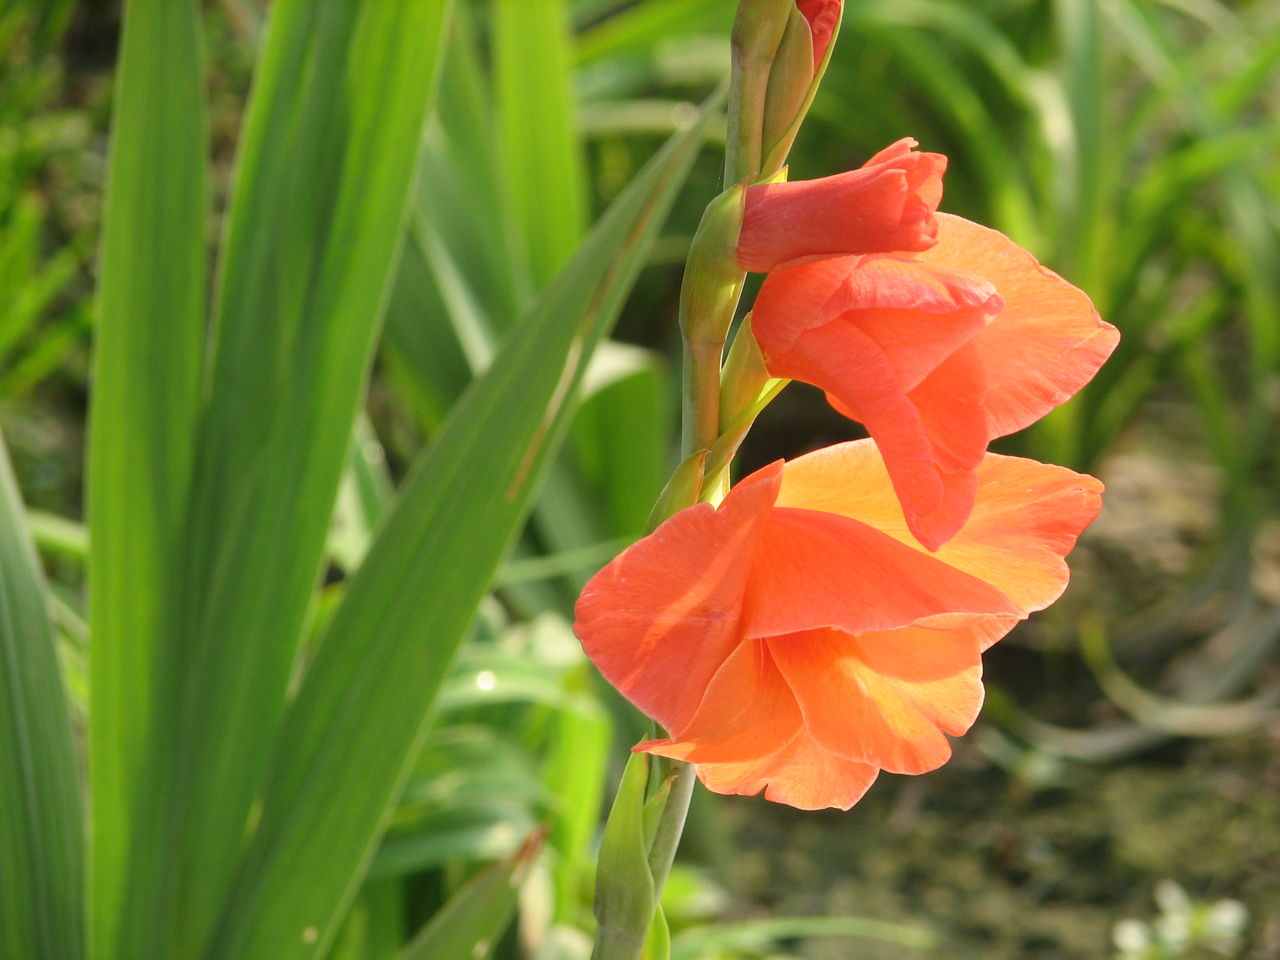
[801,775]
[1025,519]
[895,357]
[934,649]
[889,721]
[747,711]
[887,204]
[951,402]
[814,569]
[1049,340]
[669,605]
[918,313]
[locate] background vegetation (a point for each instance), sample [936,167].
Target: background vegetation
[1130,736]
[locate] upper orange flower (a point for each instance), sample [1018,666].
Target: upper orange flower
[886,204]
[936,353]
[798,640]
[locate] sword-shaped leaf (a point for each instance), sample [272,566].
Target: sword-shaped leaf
[351,733]
[41,823]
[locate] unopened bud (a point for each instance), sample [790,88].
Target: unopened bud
[780,51]
[797,68]
[713,278]
[743,378]
[757,31]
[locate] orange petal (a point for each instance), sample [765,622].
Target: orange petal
[935,649]
[1024,522]
[1048,341]
[815,569]
[747,711]
[887,204]
[893,356]
[668,606]
[857,712]
[877,294]
[824,17]
[951,401]
[801,775]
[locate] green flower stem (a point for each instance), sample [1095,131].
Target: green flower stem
[671,825]
[701,394]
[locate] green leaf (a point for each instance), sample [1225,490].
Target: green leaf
[58,534]
[542,156]
[461,193]
[473,795]
[658,944]
[375,928]
[362,497]
[639,28]
[575,773]
[41,832]
[148,353]
[364,702]
[759,935]
[620,433]
[625,895]
[475,916]
[326,162]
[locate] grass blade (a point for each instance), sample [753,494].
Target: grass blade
[364,702]
[475,916]
[41,832]
[542,156]
[148,354]
[327,157]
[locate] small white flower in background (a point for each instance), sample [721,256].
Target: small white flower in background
[1182,926]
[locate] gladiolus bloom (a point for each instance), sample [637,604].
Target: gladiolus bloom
[797,639]
[886,204]
[823,15]
[936,353]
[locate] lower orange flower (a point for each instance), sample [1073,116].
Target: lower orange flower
[798,639]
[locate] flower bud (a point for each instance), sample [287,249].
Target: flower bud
[824,21]
[713,278]
[887,204]
[743,378]
[780,50]
[797,68]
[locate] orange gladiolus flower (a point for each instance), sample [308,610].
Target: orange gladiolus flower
[936,353]
[886,204]
[797,639]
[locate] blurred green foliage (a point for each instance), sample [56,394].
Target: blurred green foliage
[1131,144]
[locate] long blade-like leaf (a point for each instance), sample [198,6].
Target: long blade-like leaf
[148,347]
[327,158]
[41,832]
[542,156]
[351,732]
[475,916]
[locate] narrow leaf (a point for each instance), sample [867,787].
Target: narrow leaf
[625,894]
[476,915]
[542,155]
[364,702]
[41,832]
[148,347]
[327,157]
